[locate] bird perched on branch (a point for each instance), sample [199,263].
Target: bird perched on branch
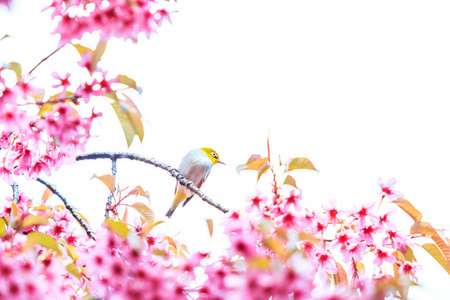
[195,167]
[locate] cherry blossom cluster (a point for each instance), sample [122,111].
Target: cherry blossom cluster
[29,270]
[278,250]
[113,18]
[38,142]
[356,234]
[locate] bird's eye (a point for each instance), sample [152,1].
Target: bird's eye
[214,154]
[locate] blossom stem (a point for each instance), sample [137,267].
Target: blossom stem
[69,207]
[45,58]
[379,205]
[151,161]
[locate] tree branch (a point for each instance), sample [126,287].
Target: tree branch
[15,188]
[110,196]
[45,58]
[69,207]
[172,171]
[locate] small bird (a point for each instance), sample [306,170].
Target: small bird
[195,167]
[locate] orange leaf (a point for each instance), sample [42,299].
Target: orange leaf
[423,228]
[254,163]
[409,209]
[46,195]
[108,180]
[145,212]
[299,163]
[209,222]
[443,246]
[171,242]
[341,276]
[263,169]
[41,207]
[139,191]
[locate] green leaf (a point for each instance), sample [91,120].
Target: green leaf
[81,49]
[2,227]
[259,262]
[70,252]
[289,180]
[145,212]
[118,227]
[437,255]
[409,254]
[129,117]
[39,96]
[254,163]
[32,220]
[209,222]
[16,67]
[98,53]
[299,163]
[108,180]
[129,82]
[72,269]
[263,169]
[409,209]
[360,267]
[160,253]
[39,238]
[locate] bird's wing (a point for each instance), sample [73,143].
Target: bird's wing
[195,167]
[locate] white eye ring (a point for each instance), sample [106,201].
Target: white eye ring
[214,154]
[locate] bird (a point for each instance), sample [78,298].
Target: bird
[195,166]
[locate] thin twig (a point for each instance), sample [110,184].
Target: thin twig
[110,196]
[69,207]
[45,58]
[172,171]
[15,188]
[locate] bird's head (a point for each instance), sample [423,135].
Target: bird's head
[213,156]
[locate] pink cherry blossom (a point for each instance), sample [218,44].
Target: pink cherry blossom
[343,239]
[383,255]
[325,263]
[331,211]
[354,251]
[256,202]
[387,189]
[409,268]
[293,200]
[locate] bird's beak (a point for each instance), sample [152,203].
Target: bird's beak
[220,162]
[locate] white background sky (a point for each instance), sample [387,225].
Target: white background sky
[360,88]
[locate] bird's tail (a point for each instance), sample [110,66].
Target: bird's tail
[170,212]
[179,197]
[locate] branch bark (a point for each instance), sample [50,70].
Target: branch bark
[15,188]
[69,207]
[172,171]
[110,196]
